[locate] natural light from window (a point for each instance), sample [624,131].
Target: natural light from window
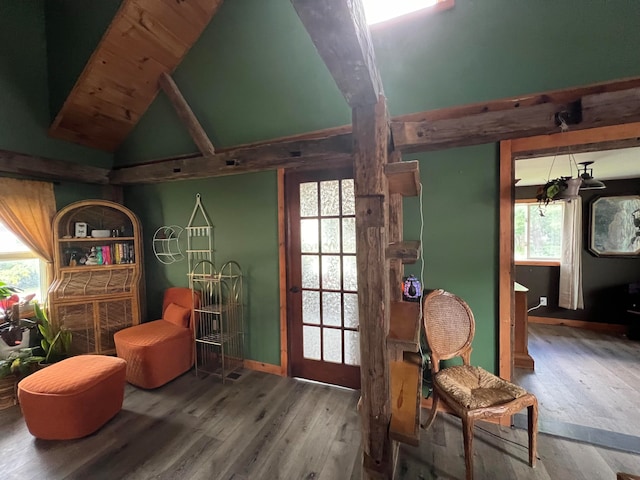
[536,237]
[380,10]
[19,267]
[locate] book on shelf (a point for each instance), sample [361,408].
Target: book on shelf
[117,253]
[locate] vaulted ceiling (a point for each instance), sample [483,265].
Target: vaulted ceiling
[254,76]
[146,38]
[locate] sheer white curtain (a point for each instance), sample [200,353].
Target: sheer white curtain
[570,295]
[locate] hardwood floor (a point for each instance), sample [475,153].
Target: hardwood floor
[261,426]
[500,453]
[584,378]
[268,427]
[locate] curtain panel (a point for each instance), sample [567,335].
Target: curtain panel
[570,294]
[27,208]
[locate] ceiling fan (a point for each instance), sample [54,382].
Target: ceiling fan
[588,182]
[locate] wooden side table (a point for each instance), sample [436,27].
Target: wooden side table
[521,357]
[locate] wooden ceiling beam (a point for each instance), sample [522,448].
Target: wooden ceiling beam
[464,125]
[340,33]
[615,102]
[14,163]
[578,141]
[268,156]
[509,119]
[186,115]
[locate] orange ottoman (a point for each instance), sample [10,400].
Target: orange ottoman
[72,398]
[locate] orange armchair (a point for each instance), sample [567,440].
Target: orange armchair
[159,351]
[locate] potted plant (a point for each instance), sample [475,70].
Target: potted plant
[557,189]
[550,190]
[56,341]
[16,366]
[8,296]
[11,325]
[19,363]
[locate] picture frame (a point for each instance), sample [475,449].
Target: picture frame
[614,226]
[81,230]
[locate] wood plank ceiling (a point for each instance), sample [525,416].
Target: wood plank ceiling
[145,39]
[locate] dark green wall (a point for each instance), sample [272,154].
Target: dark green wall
[488,49]
[253,75]
[460,234]
[69,192]
[243,210]
[67,21]
[24,91]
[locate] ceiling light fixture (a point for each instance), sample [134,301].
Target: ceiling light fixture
[588,182]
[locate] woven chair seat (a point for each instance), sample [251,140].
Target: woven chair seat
[474,387]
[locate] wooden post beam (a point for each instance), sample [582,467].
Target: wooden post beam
[14,163]
[186,115]
[340,33]
[371,146]
[396,268]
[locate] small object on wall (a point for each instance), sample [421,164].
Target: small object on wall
[200,238]
[166,244]
[412,290]
[81,229]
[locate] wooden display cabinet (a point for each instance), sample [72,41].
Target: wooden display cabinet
[96,297]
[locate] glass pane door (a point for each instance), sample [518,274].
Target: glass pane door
[323,278]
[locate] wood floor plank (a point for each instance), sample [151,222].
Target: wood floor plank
[322,428]
[186,465]
[245,423]
[268,428]
[345,452]
[584,377]
[259,448]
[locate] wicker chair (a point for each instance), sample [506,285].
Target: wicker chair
[470,392]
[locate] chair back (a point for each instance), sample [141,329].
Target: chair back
[449,326]
[180,296]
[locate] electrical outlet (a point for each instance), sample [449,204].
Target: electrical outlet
[543,301]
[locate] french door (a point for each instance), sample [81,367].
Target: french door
[322,282]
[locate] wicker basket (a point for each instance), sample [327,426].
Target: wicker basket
[8,391]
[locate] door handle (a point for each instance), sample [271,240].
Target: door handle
[295,289]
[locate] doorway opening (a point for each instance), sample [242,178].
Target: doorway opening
[598,363]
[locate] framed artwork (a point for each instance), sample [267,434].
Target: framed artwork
[615,226]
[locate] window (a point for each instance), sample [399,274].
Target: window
[19,266]
[537,238]
[378,11]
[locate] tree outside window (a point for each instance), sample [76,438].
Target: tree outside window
[536,237]
[19,266]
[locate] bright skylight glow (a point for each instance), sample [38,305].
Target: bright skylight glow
[380,10]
